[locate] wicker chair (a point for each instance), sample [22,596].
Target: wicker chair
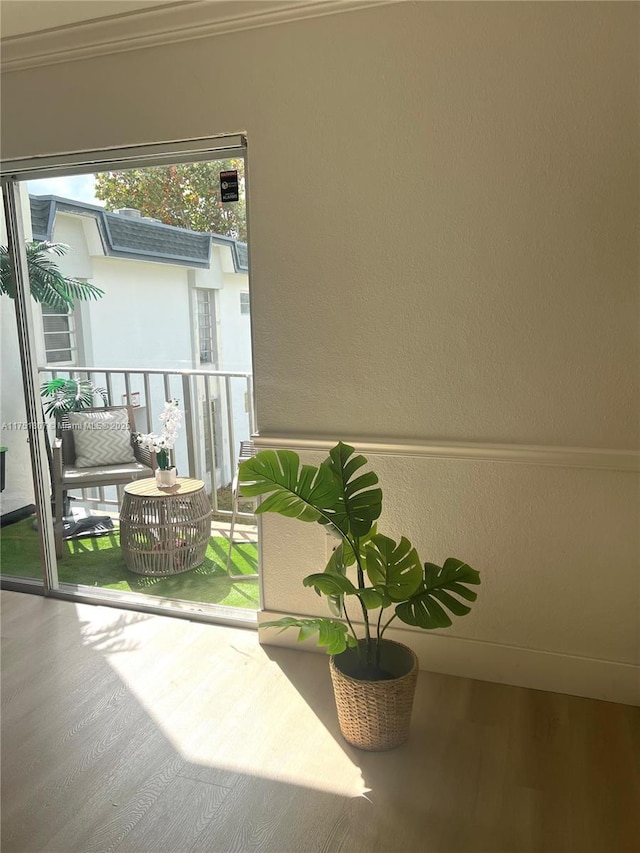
[67,476]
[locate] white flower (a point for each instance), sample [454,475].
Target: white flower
[171,420]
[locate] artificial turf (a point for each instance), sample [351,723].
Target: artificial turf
[97,561]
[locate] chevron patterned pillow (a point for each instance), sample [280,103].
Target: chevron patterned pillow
[101,438]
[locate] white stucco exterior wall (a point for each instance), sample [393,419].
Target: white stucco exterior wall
[456,260]
[143,319]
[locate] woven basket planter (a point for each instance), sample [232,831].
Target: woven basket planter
[375,715]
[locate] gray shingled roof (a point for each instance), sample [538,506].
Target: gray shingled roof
[138,239]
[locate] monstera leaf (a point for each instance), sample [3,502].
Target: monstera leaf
[336,586]
[292,489]
[348,502]
[326,583]
[341,558]
[331,634]
[358,505]
[394,568]
[441,590]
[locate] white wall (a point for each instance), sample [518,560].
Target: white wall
[235,328]
[444,215]
[143,318]
[73,231]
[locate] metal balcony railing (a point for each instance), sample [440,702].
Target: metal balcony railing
[218,415]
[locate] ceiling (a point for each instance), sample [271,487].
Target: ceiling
[21,17]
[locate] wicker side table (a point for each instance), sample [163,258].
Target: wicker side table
[164,531]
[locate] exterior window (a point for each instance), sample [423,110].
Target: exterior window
[206,326]
[244,301]
[59,335]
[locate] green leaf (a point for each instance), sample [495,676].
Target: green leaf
[370,597]
[47,283]
[358,504]
[329,584]
[332,634]
[395,568]
[426,609]
[70,395]
[291,489]
[306,632]
[384,596]
[337,565]
[341,557]
[455,606]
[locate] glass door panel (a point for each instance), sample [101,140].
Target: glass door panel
[153,277]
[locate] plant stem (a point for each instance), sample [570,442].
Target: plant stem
[387,625]
[367,632]
[355,547]
[378,638]
[346,616]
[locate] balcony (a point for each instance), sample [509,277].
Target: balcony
[218,415]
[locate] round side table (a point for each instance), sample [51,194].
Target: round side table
[164,531]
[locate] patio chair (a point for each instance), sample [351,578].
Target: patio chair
[95,447]
[247,450]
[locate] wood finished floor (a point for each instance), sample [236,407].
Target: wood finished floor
[126,732]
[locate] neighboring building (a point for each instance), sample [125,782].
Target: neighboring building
[173,299]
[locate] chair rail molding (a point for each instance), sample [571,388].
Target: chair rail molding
[174,22]
[564,457]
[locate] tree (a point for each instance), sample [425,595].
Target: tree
[187,195]
[48,285]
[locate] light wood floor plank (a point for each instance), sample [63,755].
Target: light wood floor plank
[131,733]
[181,814]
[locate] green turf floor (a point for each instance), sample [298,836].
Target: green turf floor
[97,561]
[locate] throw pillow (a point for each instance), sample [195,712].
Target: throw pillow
[101,438]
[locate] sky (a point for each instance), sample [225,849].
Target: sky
[76,187]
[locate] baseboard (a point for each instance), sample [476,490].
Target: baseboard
[539,670]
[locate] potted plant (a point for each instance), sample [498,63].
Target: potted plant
[163,444]
[70,395]
[374,678]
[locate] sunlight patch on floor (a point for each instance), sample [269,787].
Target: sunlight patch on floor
[227,704]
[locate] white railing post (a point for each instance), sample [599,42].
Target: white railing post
[189,421]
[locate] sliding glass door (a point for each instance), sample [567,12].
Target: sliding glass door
[129,279]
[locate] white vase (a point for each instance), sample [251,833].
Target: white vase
[165,478]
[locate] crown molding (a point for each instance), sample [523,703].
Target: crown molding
[562,457]
[179,22]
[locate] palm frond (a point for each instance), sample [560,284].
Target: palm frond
[47,283]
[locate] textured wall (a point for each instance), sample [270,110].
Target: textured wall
[444,215]
[555,548]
